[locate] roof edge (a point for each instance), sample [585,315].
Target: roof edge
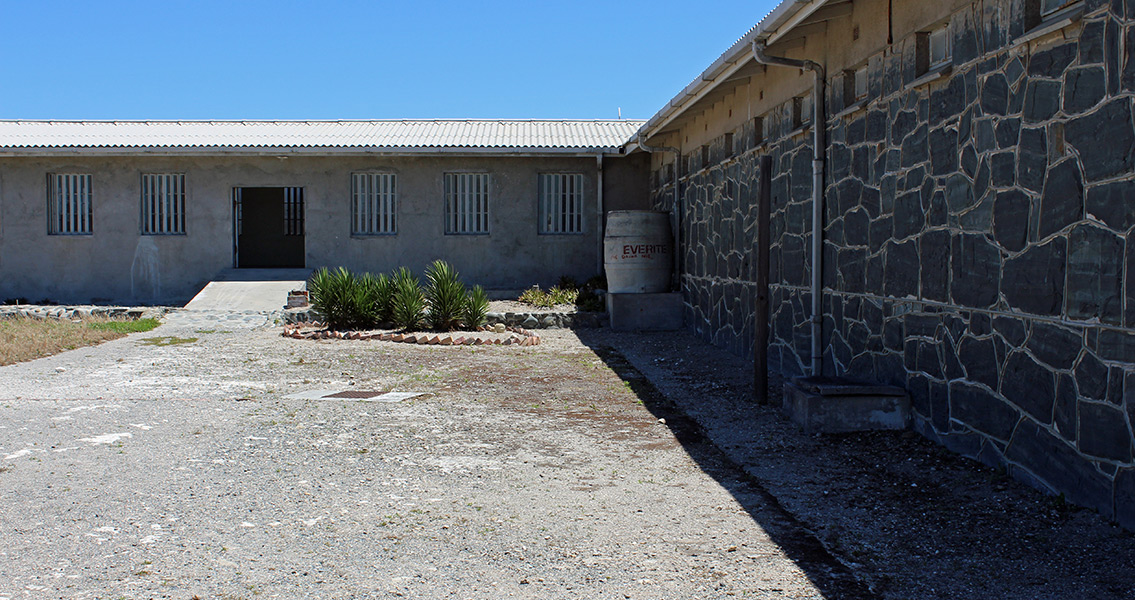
[730,60]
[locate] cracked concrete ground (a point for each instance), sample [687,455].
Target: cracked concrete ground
[173,464]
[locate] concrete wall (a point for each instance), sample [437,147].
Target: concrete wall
[118,264]
[978,234]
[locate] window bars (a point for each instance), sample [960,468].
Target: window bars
[293,211]
[374,204]
[466,203]
[163,203]
[69,210]
[561,203]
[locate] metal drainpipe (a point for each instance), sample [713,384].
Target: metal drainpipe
[677,206]
[599,209]
[819,127]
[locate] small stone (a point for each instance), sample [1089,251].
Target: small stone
[499,328]
[59,369]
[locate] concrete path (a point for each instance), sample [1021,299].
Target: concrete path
[249,289]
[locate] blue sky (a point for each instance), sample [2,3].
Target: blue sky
[282,59]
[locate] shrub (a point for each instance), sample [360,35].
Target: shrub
[559,295]
[446,296]
[567,282]
[587,300]
[596,282]
[408,306]
[536,297]
[476,308]
[344,300]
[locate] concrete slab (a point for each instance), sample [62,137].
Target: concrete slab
[249,289]
[645,312]
[829,406]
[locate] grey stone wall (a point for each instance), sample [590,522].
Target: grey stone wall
[979,233]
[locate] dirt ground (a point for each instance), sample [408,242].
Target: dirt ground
[596,465]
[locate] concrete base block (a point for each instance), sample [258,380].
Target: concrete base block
[836,405]
[645,312]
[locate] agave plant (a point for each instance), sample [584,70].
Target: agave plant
[476,308]
[446,296]
[330,295]
[384,298]
[408,304]
[345,300]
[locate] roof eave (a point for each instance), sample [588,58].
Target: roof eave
[787,15]
[42,151]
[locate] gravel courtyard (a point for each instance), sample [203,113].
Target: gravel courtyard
[205,459]
[199,462]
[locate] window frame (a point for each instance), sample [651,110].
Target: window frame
[573,195]
[467,197]
[169,222]
[381,191]
[939,37]
[72,220]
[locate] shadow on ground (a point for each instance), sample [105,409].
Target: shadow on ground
[828,574]
[880,514]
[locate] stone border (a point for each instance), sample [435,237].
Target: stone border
[519,337]
[33,311]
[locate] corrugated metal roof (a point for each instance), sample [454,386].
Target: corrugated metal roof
[418,134]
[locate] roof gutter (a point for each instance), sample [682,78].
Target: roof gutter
[51,151]
[778,23]
[819,148]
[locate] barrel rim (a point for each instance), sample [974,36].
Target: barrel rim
[637,212]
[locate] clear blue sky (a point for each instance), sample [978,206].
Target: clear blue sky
[283,59]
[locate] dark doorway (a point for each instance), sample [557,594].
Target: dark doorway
[270,227]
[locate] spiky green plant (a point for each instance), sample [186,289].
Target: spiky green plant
[476,308]
[560,295]
[536,297]
[345,300]
[384,298]
[408,305]
[445,294]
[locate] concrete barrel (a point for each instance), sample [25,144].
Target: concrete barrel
[637,251]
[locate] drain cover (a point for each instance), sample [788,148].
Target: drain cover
[354,394]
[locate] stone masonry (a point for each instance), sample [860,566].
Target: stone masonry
[978,243]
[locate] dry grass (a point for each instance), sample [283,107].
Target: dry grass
[28,339]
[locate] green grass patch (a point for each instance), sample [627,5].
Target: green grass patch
[167,341]
[124,327]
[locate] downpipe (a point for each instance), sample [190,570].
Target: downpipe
[819,129]
[677,207]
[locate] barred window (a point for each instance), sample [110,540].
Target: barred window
[466,203]
[69,208]
[561,203]
[293,211]
[374,203]
[163,204]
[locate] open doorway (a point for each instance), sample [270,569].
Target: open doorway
[269,227]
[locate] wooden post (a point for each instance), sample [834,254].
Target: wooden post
[761,310]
